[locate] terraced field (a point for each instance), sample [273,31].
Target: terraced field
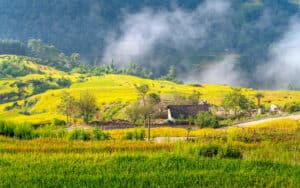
[108,89]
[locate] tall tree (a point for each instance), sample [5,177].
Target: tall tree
[236,101]
[144,110]
[87,106]
[258,97]
[68,106]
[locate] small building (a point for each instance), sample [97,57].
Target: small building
[185,111]
[274,108]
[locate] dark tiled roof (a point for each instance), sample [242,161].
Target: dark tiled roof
[185,111]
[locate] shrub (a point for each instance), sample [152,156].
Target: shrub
[218,151]
[233,153]
[210,151]
[24,131]
[136,134]
[58,122]
[98,134]
[205,119]
[292,107]
[7,128]
[79,134]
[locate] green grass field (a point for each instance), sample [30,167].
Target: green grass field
[269,157]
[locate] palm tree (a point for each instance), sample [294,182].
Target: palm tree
[258,97]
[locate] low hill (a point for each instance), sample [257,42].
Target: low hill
[38,100]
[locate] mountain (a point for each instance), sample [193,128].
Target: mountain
[157,33]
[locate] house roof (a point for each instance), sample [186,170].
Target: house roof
[185,111]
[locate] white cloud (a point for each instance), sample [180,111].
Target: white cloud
[283,67]
[177,28]
[222,72]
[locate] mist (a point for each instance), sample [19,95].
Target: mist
[224,71]
[177,29]
[283,67]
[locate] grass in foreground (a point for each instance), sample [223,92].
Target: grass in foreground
[266,156]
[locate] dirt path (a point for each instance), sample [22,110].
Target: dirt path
[251,123]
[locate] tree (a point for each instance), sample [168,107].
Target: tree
[144,109]
[87,106]
[183,99]
[171,75]
[193,99]
[68,106]
[153,100]
[258,97]
[236,101]
[205,119]
[142,91]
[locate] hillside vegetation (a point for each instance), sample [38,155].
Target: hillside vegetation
[35,95]
[249,28]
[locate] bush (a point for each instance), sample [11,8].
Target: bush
[50,131]
[233,153]
[7,128]
[292,107]
[79,134]
[205,119]
[218,151]
[58,122]
[98,134]
[210,151]
[24,131]
[136,134]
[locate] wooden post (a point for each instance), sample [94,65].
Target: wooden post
[149,122]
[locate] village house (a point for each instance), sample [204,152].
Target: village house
[185,111]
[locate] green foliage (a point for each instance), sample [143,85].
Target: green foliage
[292,107]
[185,99]
[206,119]
[142,90]
[232,152]
[24,131]
[171,75]
[14,68]
[68,106]
[98,134]
[87,106]
[50,55]
[50,131]
[20,131]
[222,152]
[136,134]
[210,151]
[7,128]
[194,98]
[236,101]
[136,70]
[58,122]
[79,134]
[143,108]
[86,135]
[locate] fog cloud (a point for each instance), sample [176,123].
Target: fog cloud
[283,68]
[177,28]
[221,72]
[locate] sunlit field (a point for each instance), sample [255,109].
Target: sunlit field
[110,89]
[266,155]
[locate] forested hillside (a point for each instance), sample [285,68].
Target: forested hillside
[99,29]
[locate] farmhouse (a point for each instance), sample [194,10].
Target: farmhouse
[185,111]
